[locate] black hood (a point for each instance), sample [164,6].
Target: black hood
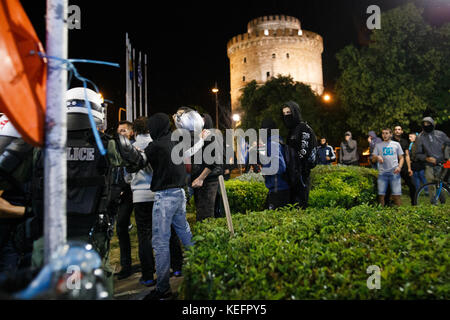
[208,121]
[268,124]
[158,125]
[295,110]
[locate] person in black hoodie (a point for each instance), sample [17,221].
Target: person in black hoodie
[205,177]
[302,139]
[169,208]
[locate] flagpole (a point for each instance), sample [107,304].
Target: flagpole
[127,80]
[55,155]
[145,88]
[140,84]
[134,85]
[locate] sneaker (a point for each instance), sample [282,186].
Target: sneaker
[157,295]
[124,273]
[147,283]
[177,273]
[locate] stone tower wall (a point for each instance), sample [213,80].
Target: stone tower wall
[269,48]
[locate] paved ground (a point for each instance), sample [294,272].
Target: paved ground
[131,289]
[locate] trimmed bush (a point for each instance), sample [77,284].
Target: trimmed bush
[331,186]
[342,186]
[246,196]
[321,254]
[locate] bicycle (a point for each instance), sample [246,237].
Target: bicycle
[436,192]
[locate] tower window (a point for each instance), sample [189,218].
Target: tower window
[273,55]
[268,74]
[243,78]
[245,60]
[287,55]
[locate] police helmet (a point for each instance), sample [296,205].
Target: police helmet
[77,109]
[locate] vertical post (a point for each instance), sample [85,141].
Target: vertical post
[140,84]
[226,205]
[129,110]
[55,156]
[216,91]
[134,85]
[145,88]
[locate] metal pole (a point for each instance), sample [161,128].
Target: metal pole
[145,88]
[134,85]
[129,110]
[55,156]
[217,108]
[140,84]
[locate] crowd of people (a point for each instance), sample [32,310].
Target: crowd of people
[138,174]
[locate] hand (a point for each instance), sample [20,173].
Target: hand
[204,134]
[328,158]
[227,171]
[431,160]
[197,183]
[397,170]
[379,159]
[410,172]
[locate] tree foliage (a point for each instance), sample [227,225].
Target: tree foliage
[403,75]
[260,101]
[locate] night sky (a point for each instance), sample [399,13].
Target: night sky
[186,41]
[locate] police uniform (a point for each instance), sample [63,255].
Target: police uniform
[93,185]
[15,177]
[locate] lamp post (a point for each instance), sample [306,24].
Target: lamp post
[215,90]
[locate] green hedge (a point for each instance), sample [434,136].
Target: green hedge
[342,186]
[321,254]
[331,186]
[244,196]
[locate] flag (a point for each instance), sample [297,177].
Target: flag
[139,72]
[130,63]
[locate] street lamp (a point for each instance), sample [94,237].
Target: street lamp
[215,90]
[326,97]
[236,117]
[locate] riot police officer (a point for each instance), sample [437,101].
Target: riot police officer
[92,179]
[15,210]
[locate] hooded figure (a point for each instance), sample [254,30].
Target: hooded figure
[294,119]
[169,208]
[430,143]
[302,141]
[209,124]
[348,154]
[166,174]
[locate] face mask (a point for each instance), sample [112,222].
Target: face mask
[289,121]
[427,129]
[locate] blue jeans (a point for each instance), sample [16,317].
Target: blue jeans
[169,209]
[389,178]
[419,179]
